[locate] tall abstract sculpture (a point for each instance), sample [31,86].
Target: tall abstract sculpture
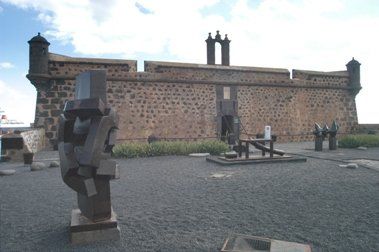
[86,136]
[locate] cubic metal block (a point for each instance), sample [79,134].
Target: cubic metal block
[96,207]
[108,168]
[91,84]
[85,108]
[90,187]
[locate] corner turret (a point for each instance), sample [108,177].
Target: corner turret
[38,62]
[353,68]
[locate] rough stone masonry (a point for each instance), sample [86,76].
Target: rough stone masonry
[198,101]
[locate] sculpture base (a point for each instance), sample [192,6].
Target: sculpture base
[332,143]
[83,230]
[318,143]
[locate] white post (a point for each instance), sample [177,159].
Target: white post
[267,132]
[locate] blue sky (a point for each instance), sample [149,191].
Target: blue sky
[294,34]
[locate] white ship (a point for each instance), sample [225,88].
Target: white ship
[10,125]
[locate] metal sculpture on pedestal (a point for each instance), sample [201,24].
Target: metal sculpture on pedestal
[86,135]
[319,137]
[322,133]
[333,136]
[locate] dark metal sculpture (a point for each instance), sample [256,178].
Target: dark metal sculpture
[87,133]
[319,137]
[325,131]
[322,133]
[333,136]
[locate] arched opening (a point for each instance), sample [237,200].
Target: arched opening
[218,53]
[226,127]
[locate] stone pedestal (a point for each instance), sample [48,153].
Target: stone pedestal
[332,143]
[83,230]
[318,143]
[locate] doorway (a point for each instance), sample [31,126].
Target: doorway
[226,127]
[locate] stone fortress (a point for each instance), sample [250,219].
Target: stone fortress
[198,101]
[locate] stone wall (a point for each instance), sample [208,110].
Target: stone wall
[31,141]
[62,71]
[327,79]
[292,112]
[178,100]
[34,140]
[292,108]
[368,128]
[165,110]
[63,66]
[215,73]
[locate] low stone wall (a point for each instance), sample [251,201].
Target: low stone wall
[34,140]
[368,128]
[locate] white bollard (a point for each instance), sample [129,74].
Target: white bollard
[267,132]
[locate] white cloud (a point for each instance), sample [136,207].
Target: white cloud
[275,33]
[119,27]
[6,65]
[19,104]
[314,35]
[302,34]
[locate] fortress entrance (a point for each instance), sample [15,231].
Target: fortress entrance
[226,127]
[227,114]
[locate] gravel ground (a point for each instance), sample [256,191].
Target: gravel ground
[173,204]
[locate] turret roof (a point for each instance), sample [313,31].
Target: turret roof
[38,38]
[353,62]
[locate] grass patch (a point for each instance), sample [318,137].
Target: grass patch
[162,148]
[354,141]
